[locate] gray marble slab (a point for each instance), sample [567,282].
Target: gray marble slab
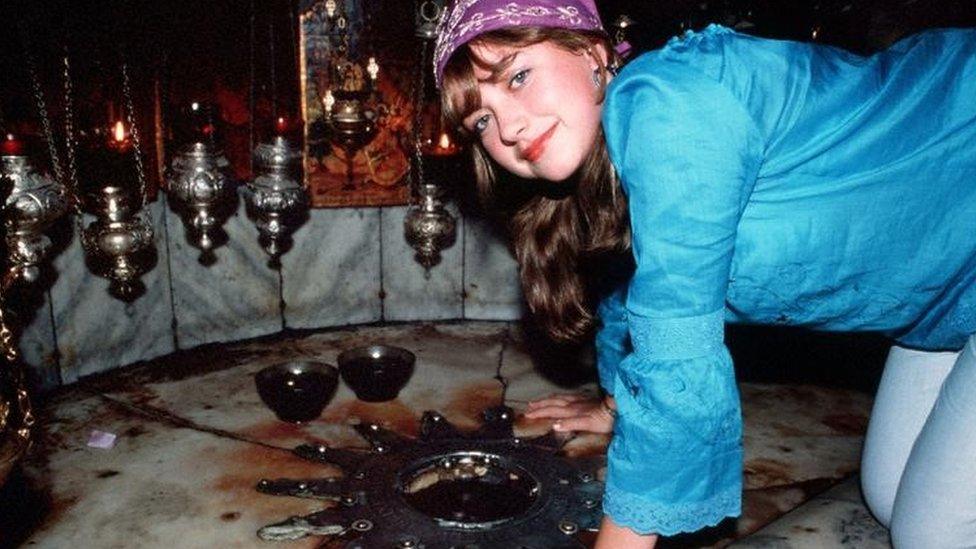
[822,522]
[331,276]
[410,291]
[97,332]
[38,348]
[235,297]
[491,285]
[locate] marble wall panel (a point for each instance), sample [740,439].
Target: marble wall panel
[410,291]
[38,348]
[342,262]
[491,285]
[234,297]
[96,331]
[331,276]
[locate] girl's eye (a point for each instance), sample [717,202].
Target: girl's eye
[480,124]
[519,78]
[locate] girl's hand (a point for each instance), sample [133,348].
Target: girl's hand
[575,412]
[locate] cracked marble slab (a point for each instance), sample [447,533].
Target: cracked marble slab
[194,435]
[836,518]
[454,374]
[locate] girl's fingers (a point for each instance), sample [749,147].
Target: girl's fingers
[557,399]
[590,423]
[552,412]
[549,401]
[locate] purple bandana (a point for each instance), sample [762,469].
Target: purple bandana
[464,20]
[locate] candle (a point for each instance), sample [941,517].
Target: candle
[441,161]
[281,125]
[373,69]
[444,147]
[12,146]
[328,101]
[119,138]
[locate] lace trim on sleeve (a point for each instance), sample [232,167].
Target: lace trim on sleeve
[649,517]
[677,338]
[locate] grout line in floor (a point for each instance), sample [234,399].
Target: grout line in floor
[162,416]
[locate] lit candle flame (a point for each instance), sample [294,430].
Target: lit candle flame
[444,142]
[119,131]
[10,137]
[328,101]
[373,68]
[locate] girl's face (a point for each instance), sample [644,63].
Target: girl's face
[538,117]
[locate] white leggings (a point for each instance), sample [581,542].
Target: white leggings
[918,469]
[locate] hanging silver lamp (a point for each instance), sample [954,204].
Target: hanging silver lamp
[119,238]
[199,183]
[429,227]
[35,202]
[276,197]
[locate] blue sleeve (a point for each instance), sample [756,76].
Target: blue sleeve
[687,153]
[612,339]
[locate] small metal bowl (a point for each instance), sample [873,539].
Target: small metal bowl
[297,391]
[376,373]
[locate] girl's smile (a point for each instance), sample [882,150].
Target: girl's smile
[535,150]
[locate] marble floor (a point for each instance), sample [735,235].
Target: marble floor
[192,439]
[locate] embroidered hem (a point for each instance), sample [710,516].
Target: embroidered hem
[667,519]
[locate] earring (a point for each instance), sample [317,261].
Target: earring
[596,78]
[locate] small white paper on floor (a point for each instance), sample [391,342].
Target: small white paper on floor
[101,439]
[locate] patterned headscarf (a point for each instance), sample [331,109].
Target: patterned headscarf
[464,20]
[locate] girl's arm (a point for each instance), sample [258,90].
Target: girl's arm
[688,153]
[613,536]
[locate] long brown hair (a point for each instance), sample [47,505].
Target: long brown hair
[557,233]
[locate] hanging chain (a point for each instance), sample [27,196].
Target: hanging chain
[250,89]
[418,117]
[71,181]
[131,117]
[272,70]
[8,348]
[41,106]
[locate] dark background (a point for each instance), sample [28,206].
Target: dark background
[240,56]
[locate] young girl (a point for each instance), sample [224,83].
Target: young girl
[753,181]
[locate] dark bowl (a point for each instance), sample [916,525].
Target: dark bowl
[376,373]
[297,390]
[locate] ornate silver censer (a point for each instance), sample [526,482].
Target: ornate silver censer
[35,202]
[119,237]
[119,242]
[446,489]
[16,417]
[429,227]
[276,196]
[199,182]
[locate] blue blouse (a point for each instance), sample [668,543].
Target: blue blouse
[774,182]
